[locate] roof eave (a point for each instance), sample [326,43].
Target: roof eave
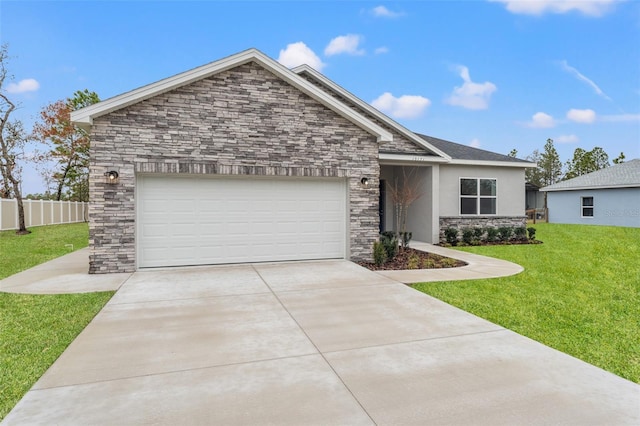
[591,187]
[493,163]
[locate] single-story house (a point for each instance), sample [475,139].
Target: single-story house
[609,196]
[245,160]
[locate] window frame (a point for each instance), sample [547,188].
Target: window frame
[583,207]
[478,197]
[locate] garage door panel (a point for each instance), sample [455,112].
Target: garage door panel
[193,221]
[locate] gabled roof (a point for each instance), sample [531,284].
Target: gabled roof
[625,175]
[464,154]
[370,110]
[84,117]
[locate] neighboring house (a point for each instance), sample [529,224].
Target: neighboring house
[610,196]
[244,160]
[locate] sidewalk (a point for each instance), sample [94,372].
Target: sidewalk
[478,267]
[66,274]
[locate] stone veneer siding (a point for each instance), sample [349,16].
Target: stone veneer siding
[400,143]
[244,121]
[460,223]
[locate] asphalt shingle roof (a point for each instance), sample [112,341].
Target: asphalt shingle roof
[620,175]
[464,152]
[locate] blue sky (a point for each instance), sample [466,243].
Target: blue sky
[495,74]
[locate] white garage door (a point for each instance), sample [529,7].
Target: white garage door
[200,221]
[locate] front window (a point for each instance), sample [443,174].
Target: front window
[478,196]
[587,206]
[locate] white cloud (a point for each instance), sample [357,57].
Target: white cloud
[541,120]
[581,115]
[383,12]
[380,50]
[540,7]
[298,54]
[571,70]
[566,139]
[26,85]
[406,106]
[471,95]
[344,44]
[475,143]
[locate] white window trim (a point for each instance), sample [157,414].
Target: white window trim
[592,207]
[478,197]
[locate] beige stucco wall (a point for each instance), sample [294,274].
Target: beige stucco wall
[510,188]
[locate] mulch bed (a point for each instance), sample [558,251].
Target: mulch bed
[406,259]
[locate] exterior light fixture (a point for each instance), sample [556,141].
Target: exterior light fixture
[364,181]
[112,177]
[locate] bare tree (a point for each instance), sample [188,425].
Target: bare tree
[12,140]
[403,193]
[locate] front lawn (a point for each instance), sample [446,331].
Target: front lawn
[36,329]
[579,293]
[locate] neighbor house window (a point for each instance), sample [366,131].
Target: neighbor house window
[587,206]
[477,196]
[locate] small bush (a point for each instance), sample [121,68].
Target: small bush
[447,262]
[413,262]
[478,233]
[451,235]
[520,233]
[379,253]
[532,233]
[504,233]
[492,234]
[405,238]
[467,236]
[428,263]
[390,243]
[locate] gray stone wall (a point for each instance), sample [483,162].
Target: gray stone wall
[399,145]
[460,223]
[242,121]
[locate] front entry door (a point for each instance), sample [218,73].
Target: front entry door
[381,205]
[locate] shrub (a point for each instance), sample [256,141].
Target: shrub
[467,235]
[448,262]
[478,233]
[379,253]
[405,237]
[532,233]
[451,235]
[505,233]
[413,262]
[428,263]
[390,243]
[492,234]
[520,233]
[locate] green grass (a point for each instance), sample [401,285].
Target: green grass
[579,293]
[36,329]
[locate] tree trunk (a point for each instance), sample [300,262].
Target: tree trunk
[22,227]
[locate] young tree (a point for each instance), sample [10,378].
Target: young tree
[533,174]
[550,165]
[403,193]
[12,140]
[69,144]
[619,159]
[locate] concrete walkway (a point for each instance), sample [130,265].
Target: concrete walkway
[324,342]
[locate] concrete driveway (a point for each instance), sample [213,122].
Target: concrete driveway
[306,343]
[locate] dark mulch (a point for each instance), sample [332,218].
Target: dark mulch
[414,259]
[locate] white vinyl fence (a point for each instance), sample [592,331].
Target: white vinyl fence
[42,212]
